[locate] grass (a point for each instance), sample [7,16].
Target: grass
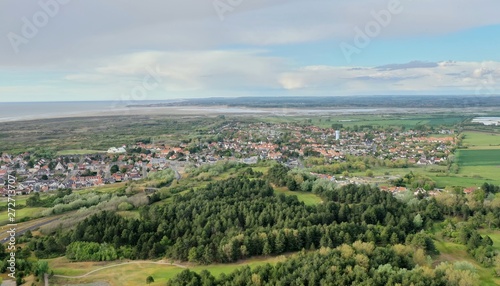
[24,225]
[78,152]
[481,141]
[479,158]
[111,188]
[453,252]
[475,176]
[21,213]
[129,214]
[408,121]
[484,173]
[480,165]
[218,269]
[458,180]
[136,273]
[263,170]
[308,198]
[494,235]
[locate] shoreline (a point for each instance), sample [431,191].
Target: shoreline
[225,110]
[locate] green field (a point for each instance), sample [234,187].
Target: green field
[479,158]
[481,141]
[308,198]
[21,214]
[136,272]
[408,121]
[460,180]
[78,152]
[479,165]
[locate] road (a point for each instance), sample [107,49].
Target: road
[21,227]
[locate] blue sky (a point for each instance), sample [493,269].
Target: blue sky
[57,50]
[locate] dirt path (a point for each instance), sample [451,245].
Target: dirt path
[121,264]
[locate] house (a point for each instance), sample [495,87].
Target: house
[119,150]
[470,190]
[59,167]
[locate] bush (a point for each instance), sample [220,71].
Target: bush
[125,206]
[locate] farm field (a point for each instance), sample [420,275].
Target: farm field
[408,121]
[481,141]
[480,165]
[460,180]
[488,174]
[479,158]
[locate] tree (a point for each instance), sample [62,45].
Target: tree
[292,185]
[490,219]
[41,268]
[497,265]
[150,280]
[114,169]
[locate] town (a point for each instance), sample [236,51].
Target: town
[329,153]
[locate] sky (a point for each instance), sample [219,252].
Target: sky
[73,50]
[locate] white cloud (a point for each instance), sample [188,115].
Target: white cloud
[83,30]
[253,73]
[103,48]
[443,77]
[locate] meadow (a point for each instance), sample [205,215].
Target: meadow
[135,273]
[481,141]
[307,198]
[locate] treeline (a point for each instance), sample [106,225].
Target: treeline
[415,181]
[352,163]
[90,251]
[36,201]
[359,264]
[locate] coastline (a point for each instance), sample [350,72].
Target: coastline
[225,110]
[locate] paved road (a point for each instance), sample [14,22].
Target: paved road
[20,230]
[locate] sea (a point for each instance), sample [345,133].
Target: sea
[15,111]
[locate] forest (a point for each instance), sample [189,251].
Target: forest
[357,235]
[240,218]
